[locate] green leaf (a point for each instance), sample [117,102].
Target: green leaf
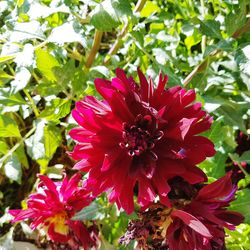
[122,7]
[232,117]
[211,28]
[21,155]
[242,204]
[35,143]
[73,35]
[52,139]
[8,127]
[26,30]
[8,99]
[91,212]
[245,156]
[105,245]
[58,109]
[149,8]
[107,14]
[4,77]
[234,21]
[46,63]
[3,147]
[5,58]
[22,78]
[215,166]
[13,169]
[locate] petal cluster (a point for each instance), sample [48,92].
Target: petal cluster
[200,224]
[52,207]
[138,137]
[196,219]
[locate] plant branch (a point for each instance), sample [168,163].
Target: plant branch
[115,47]
[94,49]
[16,146]
[32,104]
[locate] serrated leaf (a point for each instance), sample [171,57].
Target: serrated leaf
[59,108]
[58,35]
[122,7]
[46,63]
[105,17]
[26,30]
[211,28]
[232,117]
[234,21]
[8,127]
[242,204]
[91,212]
[9,99]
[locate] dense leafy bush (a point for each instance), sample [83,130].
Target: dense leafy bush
[51,53]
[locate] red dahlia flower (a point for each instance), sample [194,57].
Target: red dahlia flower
[139,135]
[195,221]
[200,224]
[52,208]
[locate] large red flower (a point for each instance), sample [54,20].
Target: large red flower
[52,207]
[200,224]
[139,135]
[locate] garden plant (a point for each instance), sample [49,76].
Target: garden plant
[125,124]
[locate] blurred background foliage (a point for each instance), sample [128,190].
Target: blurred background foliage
[50,53]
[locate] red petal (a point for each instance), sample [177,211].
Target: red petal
[192,222]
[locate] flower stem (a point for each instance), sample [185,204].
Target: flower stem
[94,49]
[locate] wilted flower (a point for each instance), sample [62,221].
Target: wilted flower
[139,135]
[51,208]
[194,223]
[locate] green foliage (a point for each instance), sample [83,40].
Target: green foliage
[44,49]
[242,204]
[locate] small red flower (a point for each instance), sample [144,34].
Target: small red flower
[200,224]
[196,219]
[52,207]
[139,135]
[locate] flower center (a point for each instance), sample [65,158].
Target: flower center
[59,222]
[138,138]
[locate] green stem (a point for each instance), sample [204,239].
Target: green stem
[15,147]
[204,38]
[32,104]
[94,49]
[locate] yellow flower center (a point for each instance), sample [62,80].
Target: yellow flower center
[59,221]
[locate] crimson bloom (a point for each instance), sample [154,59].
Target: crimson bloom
[200,224]
[52,207]
[139,136]
[196,219]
